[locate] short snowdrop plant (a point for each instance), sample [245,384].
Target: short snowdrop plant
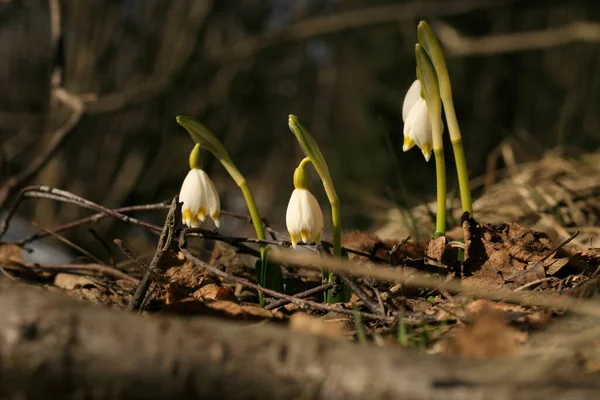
[304,218]
[198,194]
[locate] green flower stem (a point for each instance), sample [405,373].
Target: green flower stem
[440,173]
[432,46]
[304,161]
[336,220]
[463,176]
[431,89]
[268,275]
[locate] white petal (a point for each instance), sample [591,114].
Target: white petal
[189,194]
[293,216]
[199,193]
[418,128]
[304,218]
[211,202]
[412,95]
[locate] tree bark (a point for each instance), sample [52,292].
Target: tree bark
[55,347]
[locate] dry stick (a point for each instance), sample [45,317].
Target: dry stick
[235,241]
[121,245]
[301,295]
[100,239]
[272,293]
[225,239]
[43,157]
[164,242]
[248,219]
[458,45]
[372,305]
[92,219]
[74,246]
[42,191]
[349,20]
[96,268]
[356,289]
[419,280]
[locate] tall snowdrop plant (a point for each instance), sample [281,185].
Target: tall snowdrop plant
[432,47]
[422,112]
[313,153]
[268,275]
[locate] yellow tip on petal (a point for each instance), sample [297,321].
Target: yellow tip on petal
[318,238]
[294,240]
[408,143]
[426,149]
[215,218]
[305,236]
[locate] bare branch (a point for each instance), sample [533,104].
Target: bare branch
[458,45]
[77,110]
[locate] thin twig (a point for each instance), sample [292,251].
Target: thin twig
[95,268]
[100,239]
[7,274]
[419,280]
[360,293]
[248,219]
[41,191]
[58,136]
[540,261]
[74,246]
[236,241]
[395,248]
[301,295]
[457,44]
[121,245]
[93,219]
[354,19]
[272,293]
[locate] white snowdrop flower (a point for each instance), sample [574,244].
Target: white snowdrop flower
[304,218]
[200,199]
[417,125]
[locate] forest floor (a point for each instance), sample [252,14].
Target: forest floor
[526,286]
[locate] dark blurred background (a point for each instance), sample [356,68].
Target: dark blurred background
[523,71]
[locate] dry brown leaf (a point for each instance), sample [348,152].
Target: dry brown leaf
[487,336]
[11,252]
[207,292]
[226,256]
[221,308]
[301,322]
[371,244]
[72,281]
[188,276]
[227,293]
